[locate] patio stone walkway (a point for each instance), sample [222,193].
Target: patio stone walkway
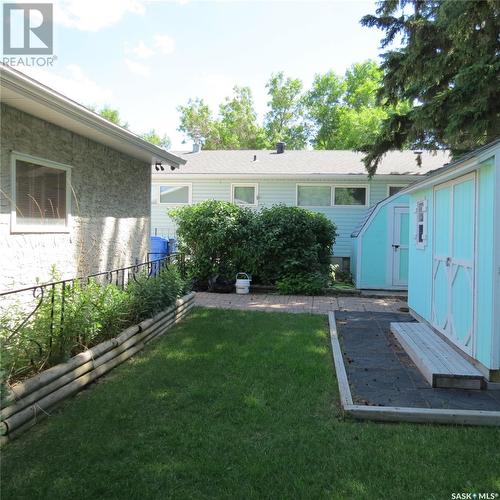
[298,303]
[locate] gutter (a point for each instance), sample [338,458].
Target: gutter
[35,91]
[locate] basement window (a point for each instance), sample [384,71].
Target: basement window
[40,195]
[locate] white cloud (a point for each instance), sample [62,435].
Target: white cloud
[165,44]
[93,15]
[138,68]
[141,50]
[75,84]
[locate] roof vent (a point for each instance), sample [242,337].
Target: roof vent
[280,147]
[196,147]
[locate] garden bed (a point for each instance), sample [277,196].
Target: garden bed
[30,399]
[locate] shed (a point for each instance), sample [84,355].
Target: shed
[454,255]
[380,246]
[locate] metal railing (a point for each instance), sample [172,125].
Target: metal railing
[54,294]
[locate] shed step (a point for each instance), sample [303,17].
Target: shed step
[439,363]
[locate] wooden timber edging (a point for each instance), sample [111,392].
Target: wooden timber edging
[396,413]
[30,400]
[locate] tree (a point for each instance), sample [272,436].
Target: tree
[197,122]
[447,67]
[238,128]
[343,110]
[112,115]
[154,138]
[285,119]
[235,127]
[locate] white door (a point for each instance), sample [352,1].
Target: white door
[453,260]
[400,238]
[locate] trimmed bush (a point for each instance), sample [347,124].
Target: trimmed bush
[275,245]
[216,238]
[293,241]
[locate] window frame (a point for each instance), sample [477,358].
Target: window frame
[313,184]
[348,186]
[332,187]
[402,186]
[189,185]
[255,185]
[421,244]
[19,227]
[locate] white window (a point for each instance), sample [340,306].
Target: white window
[393,189]
[41,195]
[421,223]
[244,194]
[175,194]
[314,196]
[350,196]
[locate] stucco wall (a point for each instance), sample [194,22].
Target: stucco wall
[110,206]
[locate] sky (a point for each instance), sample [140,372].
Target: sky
[145,58]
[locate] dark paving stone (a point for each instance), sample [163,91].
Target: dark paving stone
[380,372]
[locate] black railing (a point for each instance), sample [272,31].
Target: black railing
[53,296]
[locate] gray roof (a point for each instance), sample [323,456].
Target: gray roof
[304,163]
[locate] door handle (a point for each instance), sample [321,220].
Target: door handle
[448,261]
[395,247]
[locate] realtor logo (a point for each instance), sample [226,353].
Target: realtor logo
[27,28]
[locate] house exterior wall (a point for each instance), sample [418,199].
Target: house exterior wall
[372,249]
[274,191]
[487,285]
[110,206]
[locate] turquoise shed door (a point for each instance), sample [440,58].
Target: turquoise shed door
[400,246]
[453,260]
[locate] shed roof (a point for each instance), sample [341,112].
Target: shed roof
[303,162]
[468,162]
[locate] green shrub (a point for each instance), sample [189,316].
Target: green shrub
[220,239]
[216,238]
[302,284]
[293,240]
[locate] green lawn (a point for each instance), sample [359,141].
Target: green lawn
[238,405]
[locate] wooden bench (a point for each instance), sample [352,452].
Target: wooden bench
[438,361]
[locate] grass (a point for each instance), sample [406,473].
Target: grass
[234,405]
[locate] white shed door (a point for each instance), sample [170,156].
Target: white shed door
[453,260]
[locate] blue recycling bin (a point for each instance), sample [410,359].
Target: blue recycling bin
[158,250]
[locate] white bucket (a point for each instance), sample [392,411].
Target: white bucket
[243,284]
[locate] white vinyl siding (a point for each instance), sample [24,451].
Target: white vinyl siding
[274,191]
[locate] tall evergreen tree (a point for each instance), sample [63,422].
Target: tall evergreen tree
[448,66]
